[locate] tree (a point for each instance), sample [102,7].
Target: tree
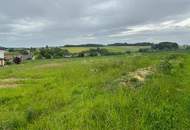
[165,46]
[24,52]
[49,53]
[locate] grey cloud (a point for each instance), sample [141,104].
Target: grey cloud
[55,22]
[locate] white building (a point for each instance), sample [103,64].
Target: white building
[2,57]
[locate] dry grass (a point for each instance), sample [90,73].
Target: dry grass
[11,82]
[9,85]
[49,65]
[134,79]
[141,74]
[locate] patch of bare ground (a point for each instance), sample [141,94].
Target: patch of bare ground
[133,79]
[49,65]
[136,78]
[8,85]
[11,82]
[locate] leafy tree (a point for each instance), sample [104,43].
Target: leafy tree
[131,44]
[24,52]
[11,50]
[49,53]
[145,50]
[165,46]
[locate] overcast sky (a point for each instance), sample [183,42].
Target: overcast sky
[57,22]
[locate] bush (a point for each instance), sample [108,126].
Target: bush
[17,60]
[8,63]
[165,67]
[94,52]
[145,50]
[128,52]
[81,54]
[172,64]
[187,47]
[49,53]
[24,52]
[165,46]
[32,114]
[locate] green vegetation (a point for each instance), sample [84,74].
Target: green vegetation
[96,93]
[132,44]
[165,46]
[51,53]
[73,51]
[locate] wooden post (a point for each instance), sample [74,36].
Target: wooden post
[2,62]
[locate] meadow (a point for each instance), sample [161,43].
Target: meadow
[109,48]
[148,91]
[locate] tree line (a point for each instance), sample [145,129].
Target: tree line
[114,44]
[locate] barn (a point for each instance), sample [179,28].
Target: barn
[2,59]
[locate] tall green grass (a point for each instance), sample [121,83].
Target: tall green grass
[81,94]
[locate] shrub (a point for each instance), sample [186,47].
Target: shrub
[49,53]
[81,54]
[32,114]
[145,50]
[128,52]
[165,67]
[17,60]
[24,52]
[94,52]
[171,64]
[187,47]
[165,46]
[8,63]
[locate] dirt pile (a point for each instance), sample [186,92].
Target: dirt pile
[136,78]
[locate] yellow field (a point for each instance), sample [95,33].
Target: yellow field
[110,48]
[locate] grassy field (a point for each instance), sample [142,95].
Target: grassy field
[110,48]
[138,91]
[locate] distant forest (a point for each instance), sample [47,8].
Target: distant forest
[114,44]
[102,45]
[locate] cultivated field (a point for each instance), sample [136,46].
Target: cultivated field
[138,91]
[109,48]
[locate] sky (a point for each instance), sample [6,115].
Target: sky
[34,23]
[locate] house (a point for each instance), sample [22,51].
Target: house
[2,58]
[8,57]
[25,57]
[68,56]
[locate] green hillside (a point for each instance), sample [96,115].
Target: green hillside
[138,91]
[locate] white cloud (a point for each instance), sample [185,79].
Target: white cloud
[184,23]
[166,25]
[29,25]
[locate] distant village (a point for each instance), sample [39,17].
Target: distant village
[10,56]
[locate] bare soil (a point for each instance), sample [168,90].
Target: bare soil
[10,82]
[136,78]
